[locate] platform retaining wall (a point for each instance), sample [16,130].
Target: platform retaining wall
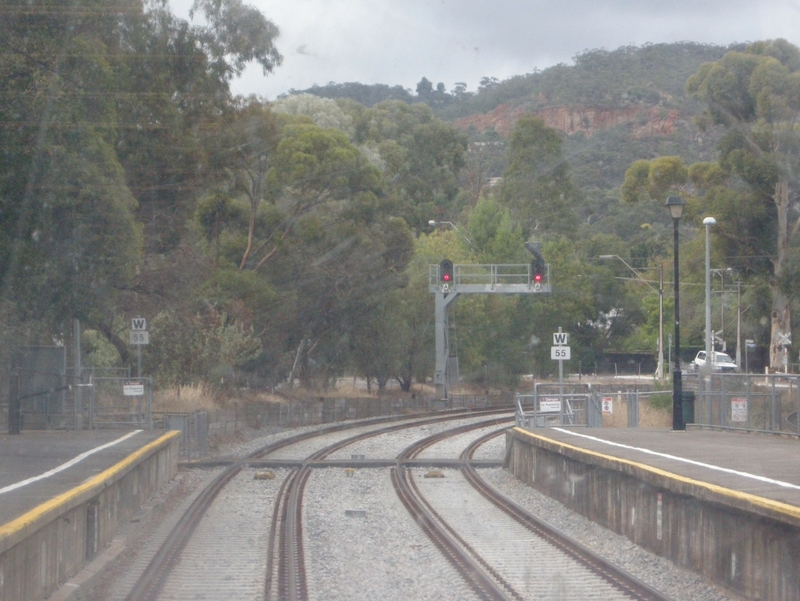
[744,543]
[49,544]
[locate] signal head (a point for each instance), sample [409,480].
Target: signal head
[446,271]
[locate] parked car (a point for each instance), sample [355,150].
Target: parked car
[720,362]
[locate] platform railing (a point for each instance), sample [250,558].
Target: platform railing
[552,405]
[753,402]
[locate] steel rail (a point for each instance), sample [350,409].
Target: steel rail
[280,500]
[484,587]
[149,585]
[292,585]
[156,572]
[152,580]
[616,577]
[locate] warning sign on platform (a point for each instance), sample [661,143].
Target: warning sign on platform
[133,388]
[738,410]
[608,405]
[549,405]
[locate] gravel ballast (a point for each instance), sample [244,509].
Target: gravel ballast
[361,543]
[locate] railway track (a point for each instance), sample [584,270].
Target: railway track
[286,529]
[286,578]
[491,584]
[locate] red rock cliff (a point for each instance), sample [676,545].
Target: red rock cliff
[572,119]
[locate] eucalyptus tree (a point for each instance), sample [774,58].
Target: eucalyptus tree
[420,156]
[755,96]
[69,238]
[174,99]
[536,184]
[313,250]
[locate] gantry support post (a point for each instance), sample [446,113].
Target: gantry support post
[440,375]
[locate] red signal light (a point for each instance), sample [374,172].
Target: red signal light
[446,271]
[537,278]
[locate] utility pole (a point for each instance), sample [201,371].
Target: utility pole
[739,324]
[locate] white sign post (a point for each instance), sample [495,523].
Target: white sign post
[139,336]
[560,352]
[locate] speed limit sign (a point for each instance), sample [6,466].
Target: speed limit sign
[559,353]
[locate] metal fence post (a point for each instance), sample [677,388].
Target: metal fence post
[797,414]
[773,407]
[149,403]
[91,403]
[749,403]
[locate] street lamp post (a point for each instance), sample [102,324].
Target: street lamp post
[675,205]
[660,371]
[434,223]
[708,222]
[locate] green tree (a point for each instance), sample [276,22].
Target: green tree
[188,348]
[496,237]
[654,179]
[174,101]
[70,242]
[536,184]
[322,111]
[421,157]
[245,149]
[755,96]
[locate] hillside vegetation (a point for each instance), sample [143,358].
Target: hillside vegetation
[615,106]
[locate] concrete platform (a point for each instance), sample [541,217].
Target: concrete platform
[764,466]
[725,504]
[63,495]
[69,457]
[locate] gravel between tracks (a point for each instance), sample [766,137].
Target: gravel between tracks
[380,555]
[384,554]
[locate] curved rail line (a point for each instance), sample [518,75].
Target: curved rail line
[466,560]
[484,587]
[615,576]
[292,584]
[152,580]
[485,582]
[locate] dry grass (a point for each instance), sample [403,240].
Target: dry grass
[200,397]
[184,399]
[649,417]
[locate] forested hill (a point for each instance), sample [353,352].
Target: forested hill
[615,106]
[598,78]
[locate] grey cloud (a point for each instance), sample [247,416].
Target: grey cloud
[399,41]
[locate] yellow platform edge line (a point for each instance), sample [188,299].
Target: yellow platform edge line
[777,506]
[27,519]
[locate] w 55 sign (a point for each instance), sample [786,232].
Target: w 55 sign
[560,352]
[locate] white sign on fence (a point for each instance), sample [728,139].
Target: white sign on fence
[133,388]
[738,410]
[608,404]
[549,405]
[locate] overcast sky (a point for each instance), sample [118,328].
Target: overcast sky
[400,41]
